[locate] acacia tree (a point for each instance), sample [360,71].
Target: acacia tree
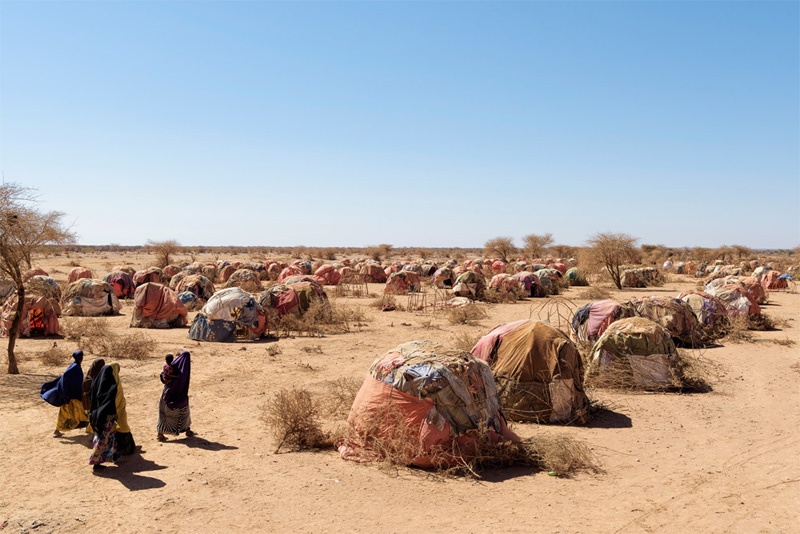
[536,245]
[499,247]
[611,251]
[163,250]
[23,231]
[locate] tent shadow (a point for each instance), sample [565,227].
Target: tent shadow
[126,473]
[502,474]
[80,439]
[605,418]
[195,442]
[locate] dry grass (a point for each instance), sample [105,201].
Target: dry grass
[468,315]
[55,356]
[739,331]
[292,417]
[689,373]
[94,336]
[494,295]
[464,341]
[341,393]
[321,318]
[594,293]
[385,303]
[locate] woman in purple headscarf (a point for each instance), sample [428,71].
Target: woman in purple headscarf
[173,407]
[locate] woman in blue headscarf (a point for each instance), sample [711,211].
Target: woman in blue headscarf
[66,392]
[173,406]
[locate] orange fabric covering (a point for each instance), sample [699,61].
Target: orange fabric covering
[37,312]
[158,302]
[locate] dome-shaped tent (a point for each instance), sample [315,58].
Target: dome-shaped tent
[422,398]
[538,372]
[88,297]
[157,306]
[227,310]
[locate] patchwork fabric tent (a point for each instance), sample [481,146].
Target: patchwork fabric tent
[77,273]
[591,320]
[226,311]
[246,279]
[151,274]
[122,283]
[157,306]
[281,298]
[329,273]
[775,281]
[507,284]
[425,400]
[710,313]
[373,273]
[575,277]
[675,315]
[194,283]
[736,298]
[641,277]
[7,287]
[538,372]
[444,278]
[88,297]
[402,282]
[635,351]
[38,316]
[470,284]
[532,285]
[44,285]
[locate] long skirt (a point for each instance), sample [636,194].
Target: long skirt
[172,421]
[105,443]
[70,416]
[125,443]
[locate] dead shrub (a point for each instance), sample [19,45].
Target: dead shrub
[292,417]
[385,303]
[341,395]
[468,315]
[497,296]
[312,349]
[464,341]
[688,373]
[94,336]
[55,356]
[594,293]
[739,331]
[322,317]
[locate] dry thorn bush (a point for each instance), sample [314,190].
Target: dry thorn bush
[385,303]
[94,336]
[594,293]
[496,296]
[321,318]
[341,395]
[55,356]
[468,315]
[689,373]
[464,341]
[312,349]
[292,417]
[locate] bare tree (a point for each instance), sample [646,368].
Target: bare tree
[499,247]
[536,245]
[611,251]
[163,250]
[23,231]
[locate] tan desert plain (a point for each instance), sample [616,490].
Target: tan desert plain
[724,460]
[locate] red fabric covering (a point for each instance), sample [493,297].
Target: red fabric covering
[225,273]
[498,267]
[36,271]
[76,273]
[158,302]
[601,314]
[771,282]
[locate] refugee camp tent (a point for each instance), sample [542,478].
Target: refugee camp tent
[373,273]
[402,282]
[226,311]
[736,298]
[591,320]
[538,372]
[550,279]
[7,287]
[641,277]
[151,274]
[531,284]
[329,273]
[122,283]
[775,281]
[710,313]
[38,316]
[422,401]
[575,277]
[634,352]
[194,283]
[89,297]
[77,273]
[444,278]
[36,271]
[157,306]
[246,279]
[506,284]
[281,298]
[470,284]
[675,315]
[44,285]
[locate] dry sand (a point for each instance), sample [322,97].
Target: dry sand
[724,461]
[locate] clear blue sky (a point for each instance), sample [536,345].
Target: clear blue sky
[436,124]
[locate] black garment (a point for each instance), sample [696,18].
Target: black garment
[104,398]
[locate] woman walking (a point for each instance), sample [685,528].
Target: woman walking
[88,378]
[66,393]
[173,406]
[125,443]
[103,418]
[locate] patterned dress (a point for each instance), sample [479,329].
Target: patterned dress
[105,443]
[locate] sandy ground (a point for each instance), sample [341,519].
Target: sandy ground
[723,461]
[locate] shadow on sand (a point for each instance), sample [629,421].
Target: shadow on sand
[605,418]
[127,469]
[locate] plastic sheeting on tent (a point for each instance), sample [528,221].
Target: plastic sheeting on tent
[216,322]
[157,306]
[424,398]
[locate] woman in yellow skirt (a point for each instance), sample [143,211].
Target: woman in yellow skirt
[66,392]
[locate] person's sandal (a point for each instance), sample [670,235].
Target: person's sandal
[161,437]
[57,434]
[189,433]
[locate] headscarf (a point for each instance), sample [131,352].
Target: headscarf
[176,393]
[66,387]
[93,371]
[122,414]
[104,398]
